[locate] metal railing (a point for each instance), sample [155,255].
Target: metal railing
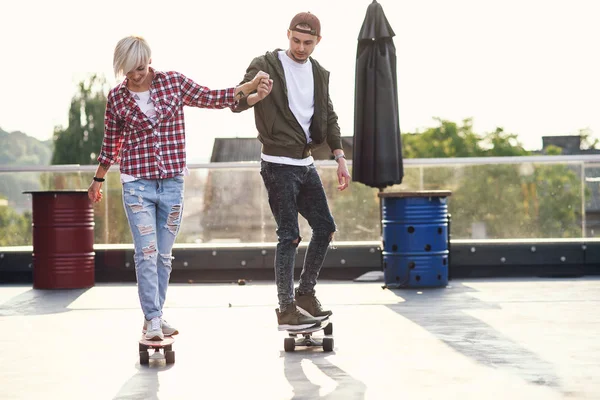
[503,198]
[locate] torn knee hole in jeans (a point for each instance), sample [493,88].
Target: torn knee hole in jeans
[174,218]
[167,259]
[145,229]
[331,240]
[136,208]
[149,250]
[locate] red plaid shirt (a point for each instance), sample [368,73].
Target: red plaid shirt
[154,151]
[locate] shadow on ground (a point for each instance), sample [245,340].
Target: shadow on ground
[40,302]
[347,387]
[444,313]
[145,384]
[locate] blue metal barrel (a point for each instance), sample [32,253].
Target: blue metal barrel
[415,238]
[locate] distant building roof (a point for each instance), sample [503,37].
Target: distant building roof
[570,144]
[248,149]
[235,149]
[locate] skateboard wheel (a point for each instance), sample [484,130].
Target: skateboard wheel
[169,347]
[328,329]
[144,358]
[170,357]
[289,344]
[143,347]
[328,344]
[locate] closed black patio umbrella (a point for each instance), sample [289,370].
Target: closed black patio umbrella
[377,156]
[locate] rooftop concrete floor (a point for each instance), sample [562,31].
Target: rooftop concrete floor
[475,339]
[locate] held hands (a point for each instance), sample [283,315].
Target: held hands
[95,192]
[260,76]
[264,88]
[261,85]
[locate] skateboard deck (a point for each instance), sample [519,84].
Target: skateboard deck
[166,345]
[307,340]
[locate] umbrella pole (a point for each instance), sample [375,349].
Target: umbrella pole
[381,229]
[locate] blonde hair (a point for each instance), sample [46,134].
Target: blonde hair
[130,52]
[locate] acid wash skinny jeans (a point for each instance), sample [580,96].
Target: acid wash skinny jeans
[154,208]
[291,190]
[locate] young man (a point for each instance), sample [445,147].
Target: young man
[144,131]
[294,115]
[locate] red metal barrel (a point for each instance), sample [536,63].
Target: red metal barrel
[63,240]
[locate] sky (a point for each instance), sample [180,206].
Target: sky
[531,67]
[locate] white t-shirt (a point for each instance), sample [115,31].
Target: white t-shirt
[301,98]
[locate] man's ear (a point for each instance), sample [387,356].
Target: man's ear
[318,39]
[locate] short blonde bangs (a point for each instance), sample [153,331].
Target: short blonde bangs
[130,53]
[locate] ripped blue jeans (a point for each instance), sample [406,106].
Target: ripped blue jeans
[294,190]
[154,209]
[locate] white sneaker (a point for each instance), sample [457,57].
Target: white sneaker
[154,330]
[167,329]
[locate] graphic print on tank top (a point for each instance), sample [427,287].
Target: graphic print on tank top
[144,102]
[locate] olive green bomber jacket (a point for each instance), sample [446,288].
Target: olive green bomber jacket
[279,130]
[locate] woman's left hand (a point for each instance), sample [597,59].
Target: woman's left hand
[95,192]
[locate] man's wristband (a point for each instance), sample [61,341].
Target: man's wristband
[338,156]
[99,179]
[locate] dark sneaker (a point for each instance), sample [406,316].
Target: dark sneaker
[308,304]
[290,318]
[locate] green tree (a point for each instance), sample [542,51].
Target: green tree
[509,200]
[80,141]
[502,144]
[15,229]
[523,200]
[448,139]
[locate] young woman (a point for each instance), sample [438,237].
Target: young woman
[144,132]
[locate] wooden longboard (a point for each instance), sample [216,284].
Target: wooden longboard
[157,343]
[166,345]
[290,343]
